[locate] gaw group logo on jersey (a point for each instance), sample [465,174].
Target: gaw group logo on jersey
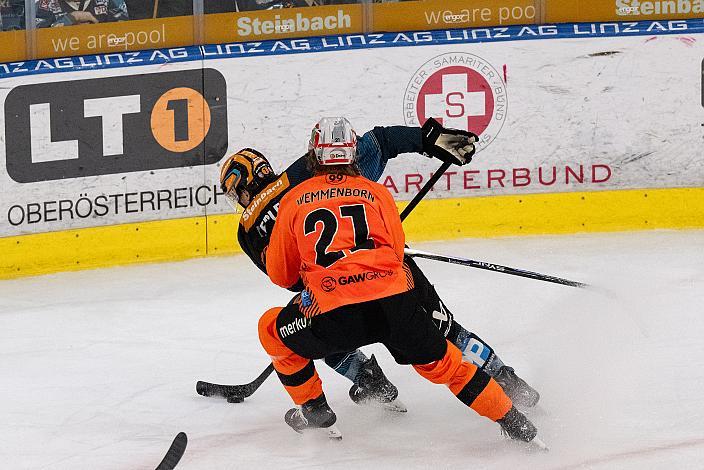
[460,90]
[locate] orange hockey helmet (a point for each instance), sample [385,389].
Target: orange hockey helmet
[246,170]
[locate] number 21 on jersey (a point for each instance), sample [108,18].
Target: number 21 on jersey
[330,226]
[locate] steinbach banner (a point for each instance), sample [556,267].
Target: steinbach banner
[260,25]
[578,112]
[622,10]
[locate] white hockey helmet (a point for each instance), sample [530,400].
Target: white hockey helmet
[333,141]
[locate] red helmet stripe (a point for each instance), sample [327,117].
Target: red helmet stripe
[345,145]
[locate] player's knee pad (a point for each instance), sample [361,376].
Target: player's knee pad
[296,373]
[268,336]
[442,371]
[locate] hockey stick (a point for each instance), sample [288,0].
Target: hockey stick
[237,393]
[175,452]
[233,393]
[424,190]
[492,267]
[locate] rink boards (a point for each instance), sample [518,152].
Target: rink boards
[113,159]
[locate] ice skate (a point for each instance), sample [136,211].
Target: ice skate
[371,387]
[314,415]
[516,388]
[516,426]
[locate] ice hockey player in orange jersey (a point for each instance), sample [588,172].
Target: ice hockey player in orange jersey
[342,235]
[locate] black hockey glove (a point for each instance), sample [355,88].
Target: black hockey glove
[449,145]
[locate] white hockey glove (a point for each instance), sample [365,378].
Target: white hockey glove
[449,145]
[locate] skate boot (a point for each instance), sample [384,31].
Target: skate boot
[372,387]
[516,388]
[314,414]
[516,426]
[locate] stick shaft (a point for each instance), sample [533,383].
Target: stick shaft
[494,267]
[424,190]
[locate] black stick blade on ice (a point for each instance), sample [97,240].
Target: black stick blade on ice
[175,452]
[233,393]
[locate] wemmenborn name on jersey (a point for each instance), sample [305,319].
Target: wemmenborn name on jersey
[331,193]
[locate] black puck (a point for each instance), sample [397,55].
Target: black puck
[235,399]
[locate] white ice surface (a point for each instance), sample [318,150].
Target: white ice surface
[97,368]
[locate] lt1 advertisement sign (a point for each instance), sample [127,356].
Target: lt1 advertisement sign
[102,126]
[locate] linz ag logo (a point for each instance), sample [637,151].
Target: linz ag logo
[103,126]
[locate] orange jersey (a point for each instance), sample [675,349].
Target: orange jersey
[343,236]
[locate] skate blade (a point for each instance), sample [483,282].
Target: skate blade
[332,433]
[395,406]
[539,444]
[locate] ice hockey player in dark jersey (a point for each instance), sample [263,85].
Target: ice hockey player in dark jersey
[340,234]
[249,182]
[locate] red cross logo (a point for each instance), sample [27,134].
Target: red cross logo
[458,97]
